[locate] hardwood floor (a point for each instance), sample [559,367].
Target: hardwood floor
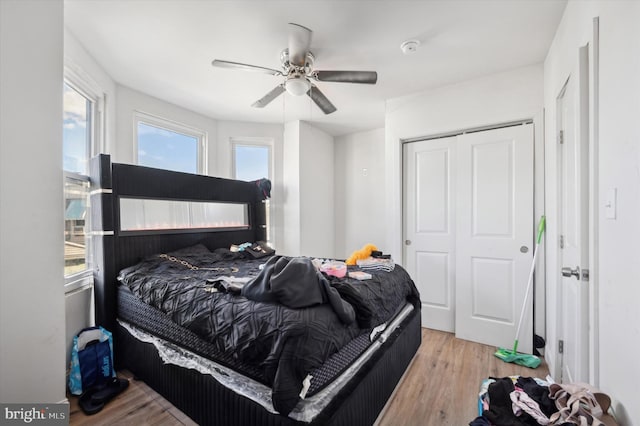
[440,388]
[137,405]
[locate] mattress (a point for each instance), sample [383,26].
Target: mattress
[135,313]
[325,382]
[208,402]
[272,344]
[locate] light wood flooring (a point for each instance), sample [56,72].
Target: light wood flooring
[440,388]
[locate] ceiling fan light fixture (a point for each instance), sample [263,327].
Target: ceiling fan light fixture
[298,72]
[297,86]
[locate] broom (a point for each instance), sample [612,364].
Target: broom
[507,355]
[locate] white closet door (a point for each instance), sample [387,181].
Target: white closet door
[494,235]
[429,223]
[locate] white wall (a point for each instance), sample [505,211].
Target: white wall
[32,318]
[308,194]
[498,98]
[359,196]
[291,191]
[615,276]
[316,192]
[129,101]
[619,168]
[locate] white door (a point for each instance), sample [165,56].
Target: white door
[494,235]
[573,165]
[429,223]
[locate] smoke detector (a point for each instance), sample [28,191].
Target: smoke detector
[410,46]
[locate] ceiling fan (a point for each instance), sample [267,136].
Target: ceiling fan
[297,70]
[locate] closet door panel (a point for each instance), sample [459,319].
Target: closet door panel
[429,204]
[494,235]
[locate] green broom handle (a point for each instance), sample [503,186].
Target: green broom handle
[541,228]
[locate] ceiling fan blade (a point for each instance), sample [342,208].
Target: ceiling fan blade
[362,77]
[245,67]
[266,99]
[321,100]
[299,42]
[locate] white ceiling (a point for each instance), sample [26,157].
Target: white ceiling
[165,47]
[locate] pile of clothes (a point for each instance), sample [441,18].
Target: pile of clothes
[254,250]
[526,401]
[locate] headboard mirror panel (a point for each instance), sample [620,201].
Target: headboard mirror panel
[139,211]
[147,215]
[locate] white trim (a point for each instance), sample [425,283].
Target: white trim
[85,276]
[469,130]
[594,240]
[87,87]
[77,281]
[83,84]
[79,288]
[76,176]
[262,142]
[558,357]
[176,127]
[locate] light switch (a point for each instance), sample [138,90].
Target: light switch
[610,204]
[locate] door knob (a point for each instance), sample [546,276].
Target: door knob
[568,272]
[407,242]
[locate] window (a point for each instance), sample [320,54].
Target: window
[252,161]
[78,130]
[166,145]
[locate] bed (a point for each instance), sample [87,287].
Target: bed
[201,339]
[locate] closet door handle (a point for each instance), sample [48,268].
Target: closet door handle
[568,272]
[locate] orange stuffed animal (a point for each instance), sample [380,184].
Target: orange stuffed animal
[363,253]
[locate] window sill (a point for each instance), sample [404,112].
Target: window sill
[76,284]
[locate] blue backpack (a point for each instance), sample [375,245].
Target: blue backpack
[91,359]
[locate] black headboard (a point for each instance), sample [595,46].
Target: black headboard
[114,249]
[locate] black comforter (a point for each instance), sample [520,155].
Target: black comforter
[286,343]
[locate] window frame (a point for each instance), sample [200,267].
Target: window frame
[175,127]
[261,142]
[86,87]
[84,277]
